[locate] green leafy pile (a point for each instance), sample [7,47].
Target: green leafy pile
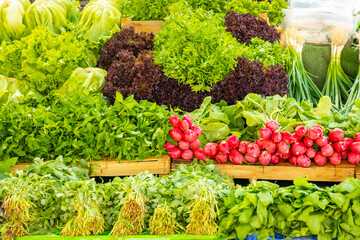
[195,49]
[82,126]
[271,8]
[45,60]
[248,211]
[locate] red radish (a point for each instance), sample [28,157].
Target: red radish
[348,142]
[322,141]
[183,145]
[327,150]
[336,135]
[175,153]
[298,149]
[265,133]
[272,125]
[283,147]
[174,121]
[274,158]
[199,154]
[355,147]
[319,159]
[293,160]
[357,137]
[221,157]
[253,150]
[310,153]
[243,147]
[189,135]
[187,154]
[315,132]
[197,130]
[340,146]
[224,147]
[233,141]
[250,159]
[287,137]
[168,146]
[284,155]
[319,126]
[195,144]
[210,149]
[270,146]
[276,137]
[344,155]
[260,142]
[236,157]
[354,158]
[189,119]
[264,158]
[176,134]
[297,138]
[335,159]
[211,156]
[308,142]
[303,161]
[301,131]
[184,125]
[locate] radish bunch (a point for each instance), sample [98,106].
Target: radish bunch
[186,135]
[274,146]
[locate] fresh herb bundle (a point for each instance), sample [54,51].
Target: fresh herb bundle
[163,222]
[301,85]
[337,83]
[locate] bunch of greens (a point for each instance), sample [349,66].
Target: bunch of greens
[249,210]
[337,83]
[99,21]
[194,48]
[217,6]
[44,60]
[254,7]
[83,126]
[12,14]
[301,85]
[144,10]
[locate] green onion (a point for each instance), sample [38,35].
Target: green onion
[355,89]
[301,86]
[337,83]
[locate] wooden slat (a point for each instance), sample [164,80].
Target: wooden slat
[112,168]
[284,171]
[357,172]
[142,26]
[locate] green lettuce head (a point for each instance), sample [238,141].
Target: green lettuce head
[49,14]
[100,20]
[72,9]
[12,13]
[90,80]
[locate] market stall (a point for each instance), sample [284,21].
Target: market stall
[131,119]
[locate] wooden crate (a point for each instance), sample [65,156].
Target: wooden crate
[142,26]
[284,171]
[357,172]
[112,168]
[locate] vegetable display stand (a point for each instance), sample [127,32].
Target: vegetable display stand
[105,237]
[112,168]
[142,26]
[284,171]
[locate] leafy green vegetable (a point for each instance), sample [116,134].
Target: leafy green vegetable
[99,21]
[194,48]
[90,80]
[45,60]
[12,14]
[83,126]
[271,8]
